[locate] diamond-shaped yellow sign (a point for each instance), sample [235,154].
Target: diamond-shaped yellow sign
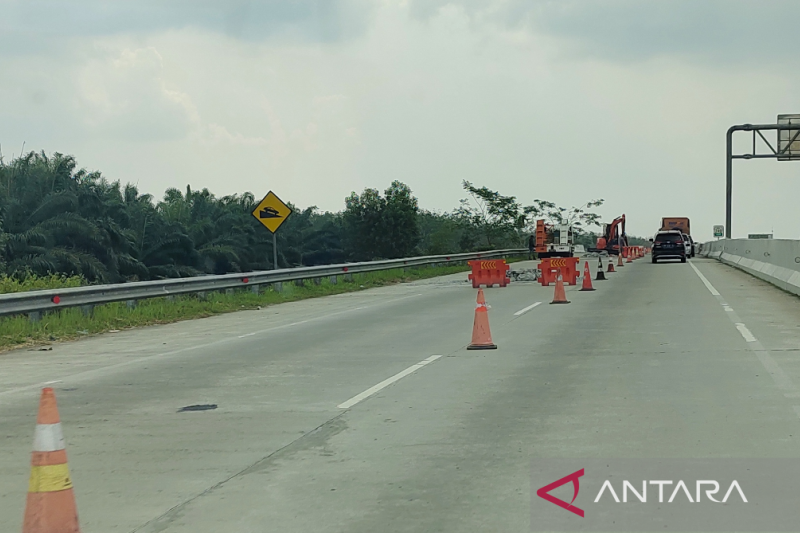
[272,212]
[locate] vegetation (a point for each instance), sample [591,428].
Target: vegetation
[65,224]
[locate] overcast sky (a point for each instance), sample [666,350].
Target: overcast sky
[560,100]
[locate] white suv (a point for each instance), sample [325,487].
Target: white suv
[689,243]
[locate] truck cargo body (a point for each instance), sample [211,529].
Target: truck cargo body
[681,223]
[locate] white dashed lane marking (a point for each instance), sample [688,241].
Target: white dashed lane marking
[781,379]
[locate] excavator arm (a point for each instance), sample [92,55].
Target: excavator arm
[612,235]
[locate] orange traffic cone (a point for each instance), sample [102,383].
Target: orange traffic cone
[629,260]
[600,274]
[481,336]
[587,277]
[50,507]
[619,260]
[611,266]
[560,296]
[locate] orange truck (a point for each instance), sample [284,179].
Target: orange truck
[681,223]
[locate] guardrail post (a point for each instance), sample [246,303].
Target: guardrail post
[171,298]
[334,280]
[348,277]
[131,304]
[277,286]
[228,292]
[87,309]
[299,282]
[317,281]
[35,316]
[255,289]
[201,295]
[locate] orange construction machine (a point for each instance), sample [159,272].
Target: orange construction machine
[612,235]
[554,240]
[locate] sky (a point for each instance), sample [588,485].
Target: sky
[563,100]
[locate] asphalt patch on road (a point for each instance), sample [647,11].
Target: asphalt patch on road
[203,407]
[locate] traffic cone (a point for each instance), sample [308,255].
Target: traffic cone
[611,266]
[50,507]
[600,274]
[560,296]
[587,277]
[629,260]
[619,260]
[481,336]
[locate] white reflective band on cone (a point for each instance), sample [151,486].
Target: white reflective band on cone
[48,438]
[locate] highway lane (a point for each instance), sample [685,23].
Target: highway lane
[649,365]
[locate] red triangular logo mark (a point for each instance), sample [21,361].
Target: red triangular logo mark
[544,492]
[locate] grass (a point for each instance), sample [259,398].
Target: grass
[32,282]
[67,324]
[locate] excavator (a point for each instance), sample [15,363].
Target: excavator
[612,234]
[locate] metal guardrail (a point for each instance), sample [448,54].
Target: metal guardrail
[52,299]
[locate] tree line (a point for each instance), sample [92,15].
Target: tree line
[57,218]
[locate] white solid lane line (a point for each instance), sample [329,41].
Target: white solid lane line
[707,283]
[523,311]
[386,382]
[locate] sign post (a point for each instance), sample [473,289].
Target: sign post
[788,149]
[272,213]
[719,231]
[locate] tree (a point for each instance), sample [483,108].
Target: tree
[381,227]
[57,218]
[496,218]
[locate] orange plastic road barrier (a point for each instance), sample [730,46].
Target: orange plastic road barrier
[560,296]
[493,272]
[552,267]
[587,277]
[481,336]
[600,274]
[50,507]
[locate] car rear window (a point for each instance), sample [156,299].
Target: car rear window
[668,237]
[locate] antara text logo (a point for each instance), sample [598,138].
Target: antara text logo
[660,490]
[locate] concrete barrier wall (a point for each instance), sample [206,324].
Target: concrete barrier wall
[774,260]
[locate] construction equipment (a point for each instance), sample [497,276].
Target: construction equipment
[613,234]
[554,240]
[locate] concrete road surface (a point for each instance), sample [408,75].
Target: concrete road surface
[666,360]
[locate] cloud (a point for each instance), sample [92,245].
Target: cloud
[28,26]
[124,95]
[707,31]
[528,98]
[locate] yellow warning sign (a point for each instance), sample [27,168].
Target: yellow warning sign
[272,212]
